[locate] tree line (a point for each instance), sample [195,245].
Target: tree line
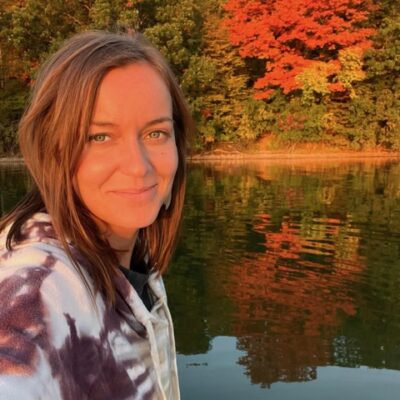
[325,71]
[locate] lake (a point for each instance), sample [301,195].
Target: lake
[286,281]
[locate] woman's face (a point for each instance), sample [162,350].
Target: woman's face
[127,168]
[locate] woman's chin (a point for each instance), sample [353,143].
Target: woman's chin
[129,228]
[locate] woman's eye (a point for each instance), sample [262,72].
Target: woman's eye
[98,137]
[156,134]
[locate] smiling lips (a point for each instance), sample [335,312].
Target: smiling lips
[135,193]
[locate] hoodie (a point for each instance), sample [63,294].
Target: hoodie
[58,343]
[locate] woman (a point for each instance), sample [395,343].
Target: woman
[84,312]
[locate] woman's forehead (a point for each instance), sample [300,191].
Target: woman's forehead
[136,90]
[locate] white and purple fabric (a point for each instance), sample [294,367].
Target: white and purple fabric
[57,343]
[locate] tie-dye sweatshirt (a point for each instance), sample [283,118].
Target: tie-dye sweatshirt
[57,343]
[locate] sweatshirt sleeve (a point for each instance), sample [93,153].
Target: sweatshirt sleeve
[25,362]
[45,311]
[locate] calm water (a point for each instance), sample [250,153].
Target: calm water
[286,283]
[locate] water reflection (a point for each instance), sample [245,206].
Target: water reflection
[14,183]
[291,299]
[299,262]
[285,272]
[216,375]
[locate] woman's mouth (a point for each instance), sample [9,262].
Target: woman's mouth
[138,193]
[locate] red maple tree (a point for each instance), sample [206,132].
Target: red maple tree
[292,35]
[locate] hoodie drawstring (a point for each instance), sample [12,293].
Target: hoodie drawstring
[155,356]
[174,367]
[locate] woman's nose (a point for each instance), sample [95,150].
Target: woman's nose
[134,158]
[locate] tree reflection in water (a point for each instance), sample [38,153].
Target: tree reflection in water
[298,262]
[291,299]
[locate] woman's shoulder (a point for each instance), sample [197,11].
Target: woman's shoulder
[38,266]
[37,252]
[46,311]
[36,230]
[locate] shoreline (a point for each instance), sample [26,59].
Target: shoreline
[268,155]
[11,160]
[292,155]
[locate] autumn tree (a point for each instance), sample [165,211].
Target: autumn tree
[300,37]
[383,73]
[217,82]
[372,117]
[311,61]
[32,29]
[29,31]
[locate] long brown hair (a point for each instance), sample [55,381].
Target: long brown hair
[53,133]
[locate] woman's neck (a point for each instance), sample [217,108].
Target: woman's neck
[123,247]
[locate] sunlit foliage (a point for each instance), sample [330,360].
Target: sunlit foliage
[320,71]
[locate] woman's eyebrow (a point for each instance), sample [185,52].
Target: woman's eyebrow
[157,121]
[103,123]
[146,125]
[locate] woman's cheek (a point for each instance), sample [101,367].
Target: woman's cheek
[92,172]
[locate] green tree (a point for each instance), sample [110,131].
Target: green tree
[217,82]
[29,30]
[114,15]
[383,68]
[173,27]
[372,116]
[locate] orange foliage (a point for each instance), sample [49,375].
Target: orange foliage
[290,35]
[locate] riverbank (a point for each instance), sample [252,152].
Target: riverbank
[11,160]
[221,155]
[291,155]
[268,148]
[218,156]
[231,152]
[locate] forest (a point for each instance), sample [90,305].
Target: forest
[299,71]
